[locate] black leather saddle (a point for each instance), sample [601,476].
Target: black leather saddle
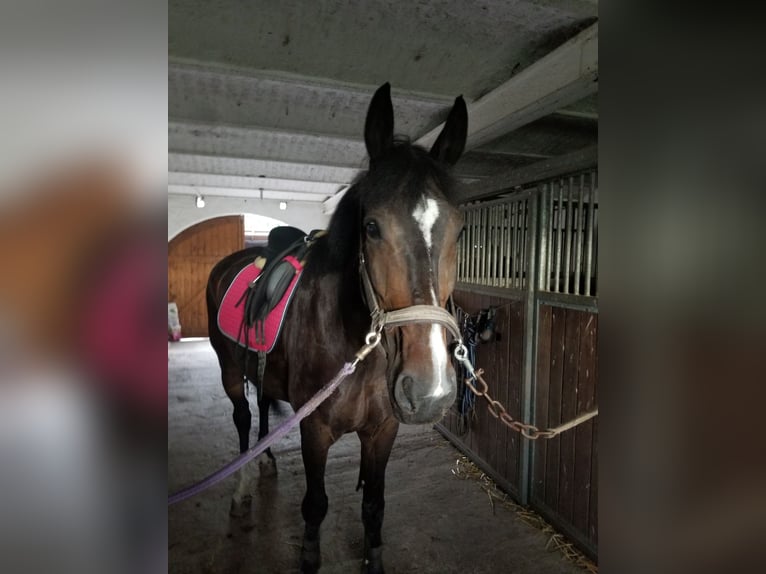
[267,290]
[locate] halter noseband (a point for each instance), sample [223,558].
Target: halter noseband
[399,317]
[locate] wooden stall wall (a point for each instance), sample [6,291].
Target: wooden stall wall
[488,442]
[533,255]
[191,256]
[565,468]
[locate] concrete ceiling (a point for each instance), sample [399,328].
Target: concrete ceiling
[267,99]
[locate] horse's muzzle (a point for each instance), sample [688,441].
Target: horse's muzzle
[417,401]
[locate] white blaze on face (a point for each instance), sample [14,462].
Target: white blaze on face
[439,361]
[425,214]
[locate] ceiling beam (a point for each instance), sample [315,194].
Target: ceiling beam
[590,116]
[246,167]
[218,95]
[265,144]
[558,79]
[253,183]
[538,171]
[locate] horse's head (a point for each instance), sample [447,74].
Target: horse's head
[409,232]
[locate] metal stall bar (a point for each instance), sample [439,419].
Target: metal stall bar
[510,211]
[559,238]
[500,238]
[491,246]
[530,350]
[511,243]
[595,232]
[549,262]
[524,242]
[508,241]
[589,235]
[545,252]
[568,248]
[496,244]
[519,240]
[501,246]
[466,240]
[579,230]
[472,254]
[488,246]
[460,253]
[479,245]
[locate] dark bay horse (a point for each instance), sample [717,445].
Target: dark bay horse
[397,225]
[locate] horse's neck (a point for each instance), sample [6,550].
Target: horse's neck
[343,289]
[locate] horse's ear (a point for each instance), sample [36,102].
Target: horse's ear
[450,144]
[379,126]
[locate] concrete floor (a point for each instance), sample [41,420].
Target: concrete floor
[434,523]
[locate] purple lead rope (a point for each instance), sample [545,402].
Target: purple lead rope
[268,440]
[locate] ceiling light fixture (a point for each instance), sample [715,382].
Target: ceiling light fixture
[200,201]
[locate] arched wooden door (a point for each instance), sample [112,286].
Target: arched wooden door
[191,256]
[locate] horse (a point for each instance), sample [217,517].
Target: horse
[390,245]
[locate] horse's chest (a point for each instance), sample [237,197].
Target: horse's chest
[362,404]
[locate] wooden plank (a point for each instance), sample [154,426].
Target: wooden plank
[593,503]
[483,360]
[503,330]
[490,366]
[513,450]
[558,317]
[593,507]
[568,412]
[584,432]
[541,397]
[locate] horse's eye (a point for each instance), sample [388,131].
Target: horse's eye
[372,230]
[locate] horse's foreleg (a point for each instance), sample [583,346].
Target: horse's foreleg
[376,448]
[316,440]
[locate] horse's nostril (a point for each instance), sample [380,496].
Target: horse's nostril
[405,391]
[407,385]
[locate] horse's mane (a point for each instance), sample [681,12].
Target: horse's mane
[399,176]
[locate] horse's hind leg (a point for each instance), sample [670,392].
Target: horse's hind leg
[376,448]
[264,404]
[234,385]
[316,440]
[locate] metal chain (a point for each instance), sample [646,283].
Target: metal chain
[497,410]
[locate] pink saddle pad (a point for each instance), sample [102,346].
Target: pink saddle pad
[231,316]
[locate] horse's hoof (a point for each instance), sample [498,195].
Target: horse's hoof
[311,558]
[267,466]
[241,507]
[373,561]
